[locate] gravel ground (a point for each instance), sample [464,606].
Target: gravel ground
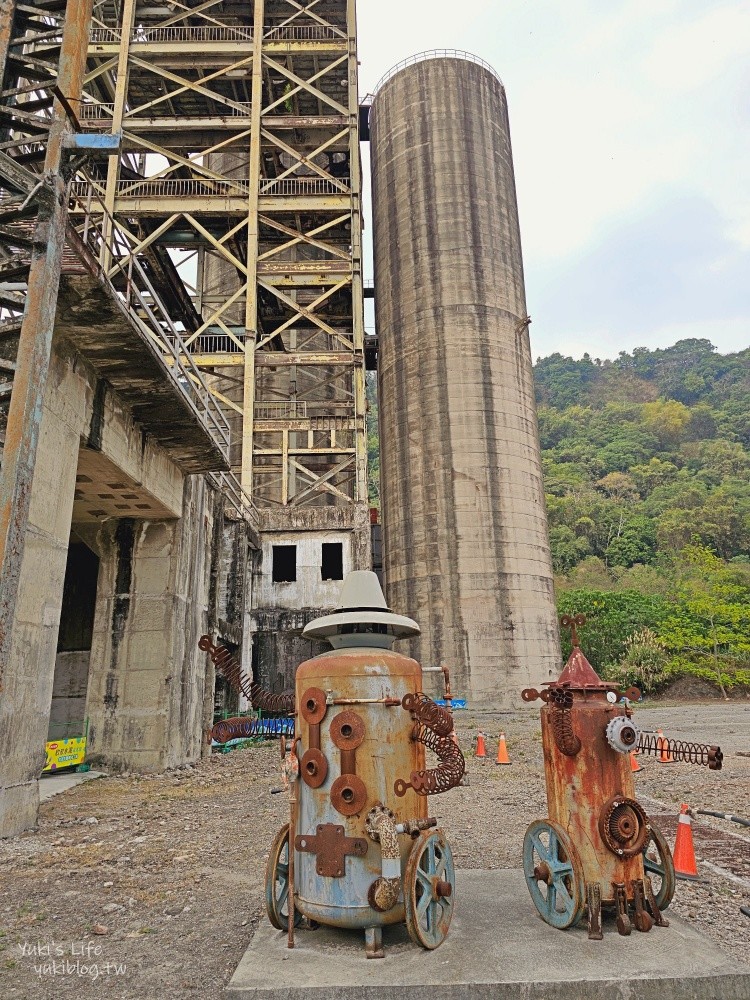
[140,882]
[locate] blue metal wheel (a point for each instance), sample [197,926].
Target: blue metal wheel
[277,882]
[553,874]
[659,866]
[429,890]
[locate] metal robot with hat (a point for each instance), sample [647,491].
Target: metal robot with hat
[598,847]
[360,850]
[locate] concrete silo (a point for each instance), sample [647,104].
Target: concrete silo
[465,527]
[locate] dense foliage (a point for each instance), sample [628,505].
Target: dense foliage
[647,476]
[647,461]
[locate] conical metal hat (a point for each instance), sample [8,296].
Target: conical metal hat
[361,603]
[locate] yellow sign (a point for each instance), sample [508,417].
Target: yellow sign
[65,753]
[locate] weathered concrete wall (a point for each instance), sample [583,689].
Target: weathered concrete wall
[146,697]
[96,466]
[27,684]
[279,611]
[465,534]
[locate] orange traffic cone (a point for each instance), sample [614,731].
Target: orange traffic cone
[635,767]
[684,852]
[665,754]
[480,751]
[502,751]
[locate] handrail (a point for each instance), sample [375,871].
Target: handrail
[300,186]
[105,35]
[435,54]
[236,496]
[146,310]
[95,111]
[209,187]
[303,33]
[290,409]
[192,33]
[174,187]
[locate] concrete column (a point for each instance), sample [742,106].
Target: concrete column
[29,673]
[147,680]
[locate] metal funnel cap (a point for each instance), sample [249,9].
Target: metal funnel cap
[363,617]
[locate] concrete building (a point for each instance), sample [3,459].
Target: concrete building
[182,400]
[465,533]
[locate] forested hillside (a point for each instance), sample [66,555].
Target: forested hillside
[647,476]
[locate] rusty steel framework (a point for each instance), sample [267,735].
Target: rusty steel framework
[238,189]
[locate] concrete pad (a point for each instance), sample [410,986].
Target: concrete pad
[498,948]
[53,784]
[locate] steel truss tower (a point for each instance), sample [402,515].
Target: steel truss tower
[240,182]
[237,190]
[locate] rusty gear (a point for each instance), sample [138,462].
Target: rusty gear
[622,734]
[624,826]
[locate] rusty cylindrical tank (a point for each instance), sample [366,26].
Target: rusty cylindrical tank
[465,528]
[592,849]
[354,863]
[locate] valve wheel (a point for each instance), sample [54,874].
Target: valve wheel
[429,889]
[554,874]
[277,882]
[659,866]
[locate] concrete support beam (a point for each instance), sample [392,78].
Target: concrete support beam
[147,678]
[32,638]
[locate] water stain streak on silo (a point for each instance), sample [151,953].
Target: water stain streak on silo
[465,529]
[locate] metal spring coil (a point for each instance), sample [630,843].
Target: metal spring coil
[561,721]
[228,666]
[449,771]
[428,713]
[239,728]
[682,750]
[562,728]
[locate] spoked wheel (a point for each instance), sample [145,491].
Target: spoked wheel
[553,874]
[657,860]
[277,882]
[429,887]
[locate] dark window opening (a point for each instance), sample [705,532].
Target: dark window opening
[284,564]
[332,562]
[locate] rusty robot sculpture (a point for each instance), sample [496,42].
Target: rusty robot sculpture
[598,847]
[360,850]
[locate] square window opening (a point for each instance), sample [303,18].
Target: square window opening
[284,564]
[332,561]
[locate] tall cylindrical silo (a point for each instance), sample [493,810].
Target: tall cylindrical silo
[465,529]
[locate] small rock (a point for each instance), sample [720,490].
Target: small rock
[692,914]
[108,885]
[173,911]
[139,840]
[92,821]
[99,929]
[112,908]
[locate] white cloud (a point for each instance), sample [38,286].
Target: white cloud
[615,108]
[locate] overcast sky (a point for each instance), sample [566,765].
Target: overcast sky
[630,122]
